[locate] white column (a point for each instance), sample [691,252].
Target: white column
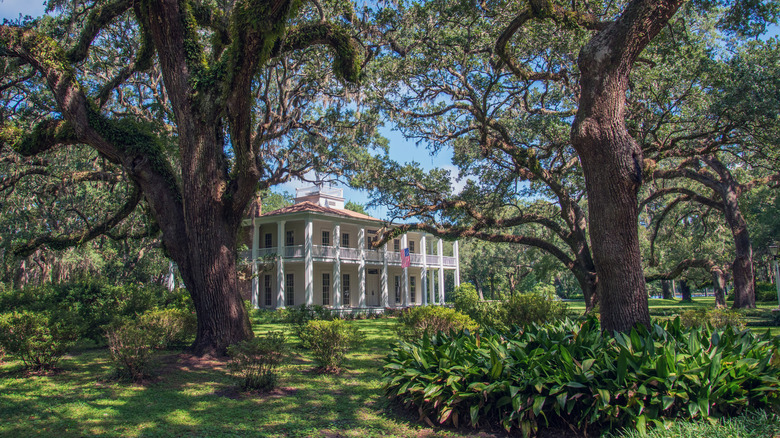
[308,264]
[424,272]
[170,283]
[280,267]
[405,299]
[432,286]
[441,271]
[362,268]
[255,281]
[385,278]
[456,255]
[337,267]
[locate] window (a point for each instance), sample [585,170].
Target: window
[345,240]
[326,238]
[412,289]
[268,240]
[396,245]
[290,238]
[326,289]
[267,289]
[345,289]
[289,289]
[397,289]
[411,246]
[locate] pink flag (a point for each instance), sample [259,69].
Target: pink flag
[406,260]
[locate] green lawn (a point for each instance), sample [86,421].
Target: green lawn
[758,319]
[195,398]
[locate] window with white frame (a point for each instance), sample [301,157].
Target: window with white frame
[290,240]
[413,289]
[267,289]
[345,290]
[345,240]
[325,238]
[397,289]
[289,289]
[326,289]
[268,240]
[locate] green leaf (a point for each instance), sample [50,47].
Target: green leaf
[622,366]
[474,414]
[538,404]
[605,396]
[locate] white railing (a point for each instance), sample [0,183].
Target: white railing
[350,254]
[293,251]
[450,262]
[374,256]
[353,254]
[265,252]
[324,251]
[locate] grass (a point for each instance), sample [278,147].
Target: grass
[756,424]
[758,319]
[191,398]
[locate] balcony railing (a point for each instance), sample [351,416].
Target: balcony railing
[353,254]
[294,251]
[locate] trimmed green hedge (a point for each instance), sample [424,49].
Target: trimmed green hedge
[573,374]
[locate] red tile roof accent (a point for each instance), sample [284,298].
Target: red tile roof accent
[316,208]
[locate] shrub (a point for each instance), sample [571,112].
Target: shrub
[717,318]
[465,298]
[168,326]
[132,341]
[570,373]
[132,345]
[298,318]
[92,305]
[418,321]
[38,339]
[766,292]
[255,361]
[329,342]
[529,308]
[520,309]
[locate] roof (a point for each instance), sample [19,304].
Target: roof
[307,206]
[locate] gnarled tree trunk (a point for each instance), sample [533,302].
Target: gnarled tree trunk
[666,290]
[719,286]
[612,160]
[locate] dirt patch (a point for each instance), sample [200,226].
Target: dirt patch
[189,362]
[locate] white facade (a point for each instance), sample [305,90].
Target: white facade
[317,253]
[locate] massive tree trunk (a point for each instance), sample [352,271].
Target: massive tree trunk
[666,290]
[742,267]
[685,291]
[612,160]
[719,286]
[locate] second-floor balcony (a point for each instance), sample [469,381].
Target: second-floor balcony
[351,255]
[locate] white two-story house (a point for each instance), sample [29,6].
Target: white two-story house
[316,252]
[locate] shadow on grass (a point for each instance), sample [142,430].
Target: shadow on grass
[187,400]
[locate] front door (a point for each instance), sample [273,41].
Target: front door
[373,287]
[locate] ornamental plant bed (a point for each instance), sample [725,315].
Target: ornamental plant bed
[571,373]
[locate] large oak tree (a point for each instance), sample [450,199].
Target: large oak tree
[237,80]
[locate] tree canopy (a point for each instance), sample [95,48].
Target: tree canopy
[191,107]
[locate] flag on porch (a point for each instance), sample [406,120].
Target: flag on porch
[406,260]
